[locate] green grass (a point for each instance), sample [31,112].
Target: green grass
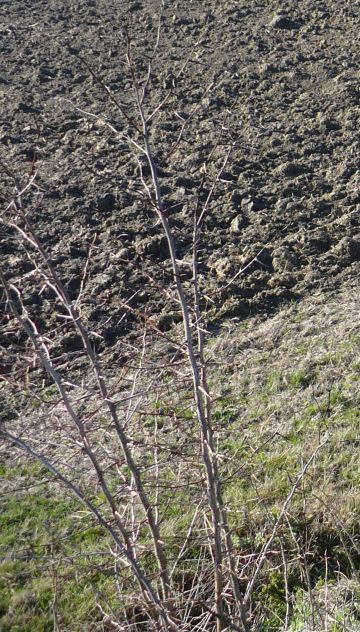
[272,405]
[47,540]
[50,548]
[286,397]
[335,606]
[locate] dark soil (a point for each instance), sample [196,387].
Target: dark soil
[279,83]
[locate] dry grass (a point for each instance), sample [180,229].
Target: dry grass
[281,386]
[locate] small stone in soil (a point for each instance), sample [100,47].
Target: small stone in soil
[280,21]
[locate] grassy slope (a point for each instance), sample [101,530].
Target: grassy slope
[284,386]
[291,384]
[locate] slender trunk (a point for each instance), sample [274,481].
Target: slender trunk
[207,446]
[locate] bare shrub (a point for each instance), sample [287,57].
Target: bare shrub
[136,440]
[143,433]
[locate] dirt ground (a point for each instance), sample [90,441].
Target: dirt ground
[278,83]
[253,109]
